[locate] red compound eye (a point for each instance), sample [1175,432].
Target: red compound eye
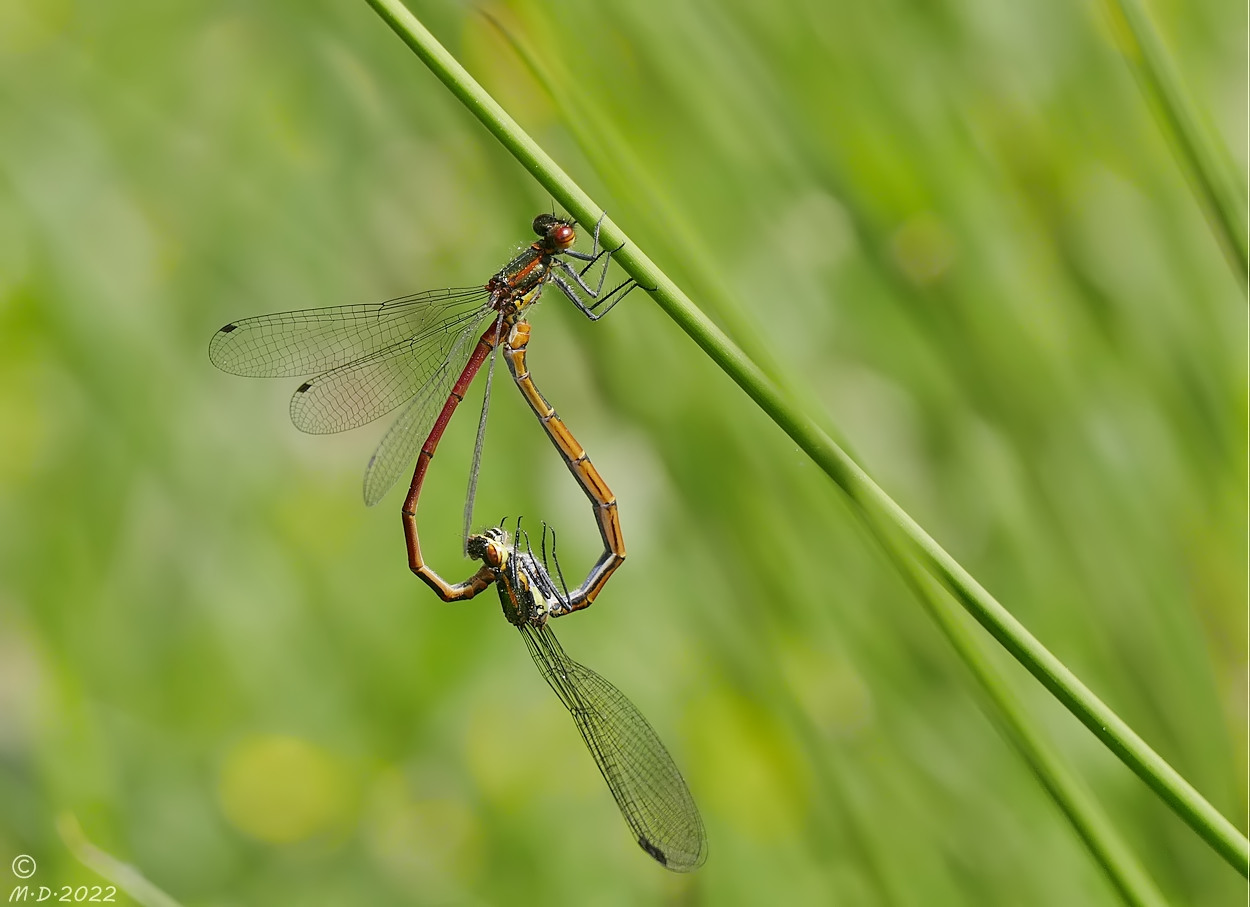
[563,236]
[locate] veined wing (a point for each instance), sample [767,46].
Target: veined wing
[397,451]
[648,788]
[371,386]
[305,342]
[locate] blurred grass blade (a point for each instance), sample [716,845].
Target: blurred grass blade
[875,506]
[1131,881]
[1223,203]
[123,875]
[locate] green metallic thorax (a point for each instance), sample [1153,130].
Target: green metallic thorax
[518,278]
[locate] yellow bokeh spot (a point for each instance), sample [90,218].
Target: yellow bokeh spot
[281,790]
[750,771]
[924,249]
[28,27]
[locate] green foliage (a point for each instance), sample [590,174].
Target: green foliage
[962,230]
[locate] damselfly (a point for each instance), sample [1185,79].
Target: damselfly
[421,350]
[648,788]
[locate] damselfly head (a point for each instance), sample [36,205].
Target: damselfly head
[556,232]
[491,548]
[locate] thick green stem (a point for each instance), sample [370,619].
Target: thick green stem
[876,507]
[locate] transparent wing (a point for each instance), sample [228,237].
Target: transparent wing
[366,388]
[295,344]
[648,788]
[397,451]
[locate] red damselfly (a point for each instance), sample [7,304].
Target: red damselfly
[420,352]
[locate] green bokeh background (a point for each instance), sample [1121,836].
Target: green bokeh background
[956,224]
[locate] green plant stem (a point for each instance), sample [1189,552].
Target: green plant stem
[875,506]
[1223,204]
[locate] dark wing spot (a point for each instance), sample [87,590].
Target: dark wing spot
[303,387]
[227,329]
[656,853]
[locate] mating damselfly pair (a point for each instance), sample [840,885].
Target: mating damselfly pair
[419,354]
